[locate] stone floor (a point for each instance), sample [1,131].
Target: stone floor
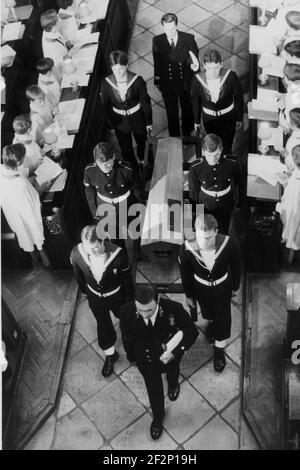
[98,413]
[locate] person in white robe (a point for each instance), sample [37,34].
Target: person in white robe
[48,80]
[53,43]
[41,112]
[34,156]
[20,203]
[68,20]
[289,206]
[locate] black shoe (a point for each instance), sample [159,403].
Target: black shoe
[208,333]
[173,392]
[219,359]
[108,367]
[156,430]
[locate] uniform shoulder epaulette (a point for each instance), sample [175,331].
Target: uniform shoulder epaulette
[92,165]
[230,159]
[125,165]
[198,161]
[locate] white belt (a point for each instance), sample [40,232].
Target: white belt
[115,200]
[211,283]
[107,294]
[126,112]
[216,193]
[219,112]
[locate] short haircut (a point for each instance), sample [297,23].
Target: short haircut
[211,143]
[48,19]
[45,65]
[293,48]
[294,115]
[293,19]
[206,222]
[33,92]
[103,152]
[118,57]
[90,234]
[64,3]
[168,18]
[292,72]
[296,155]
[212,55]
[13,155]
[22,124]
[145,293]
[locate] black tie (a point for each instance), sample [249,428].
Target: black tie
[172,44]
[149,325]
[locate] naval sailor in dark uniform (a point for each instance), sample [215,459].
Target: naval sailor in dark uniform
[127,106]
[174,67]
[103,273]
[147,326]
[217,97]
[112,183]
[210,272]
[215,181]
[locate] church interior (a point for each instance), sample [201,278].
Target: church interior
[54,393]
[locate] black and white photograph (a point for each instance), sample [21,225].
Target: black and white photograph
[150,227]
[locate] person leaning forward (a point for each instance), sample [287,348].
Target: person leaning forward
[103,273]
[215,181]
[217,97]
[146,325]
[173,72]
[127,106]
[111,181]
[210,272]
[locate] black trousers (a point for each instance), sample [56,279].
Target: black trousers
[171,96]
[153,380]
[225,128]
[100,307]
[125,142]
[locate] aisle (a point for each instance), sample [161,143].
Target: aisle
[96,413]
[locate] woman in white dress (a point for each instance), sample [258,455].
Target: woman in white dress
[289,206]
[34,157]
[21,203]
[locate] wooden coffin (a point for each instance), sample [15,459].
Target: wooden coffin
[162,232]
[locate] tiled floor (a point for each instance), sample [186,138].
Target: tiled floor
[98,413]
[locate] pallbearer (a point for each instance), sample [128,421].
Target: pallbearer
[210,272]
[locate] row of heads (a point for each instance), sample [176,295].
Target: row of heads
[50,18]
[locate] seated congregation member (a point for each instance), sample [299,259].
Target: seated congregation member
[146,324]
[48,80]
[289,206]
[293,140]
[53,43]
[68,20]
[173,72]
[286,23]
[103,273]
[111,181]
[127,106]
[21,203]
[33,157]
[289,100]
[41,112]
[210,272]
[217,96]
[291,51]
[215,181]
